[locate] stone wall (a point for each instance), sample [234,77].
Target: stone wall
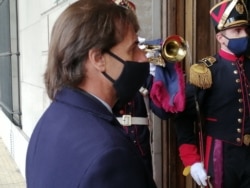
[149,15]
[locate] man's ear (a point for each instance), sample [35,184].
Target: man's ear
[97,59]
[220,38]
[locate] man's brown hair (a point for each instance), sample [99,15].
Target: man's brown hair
[84,25]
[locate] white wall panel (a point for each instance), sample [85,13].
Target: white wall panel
[31,52]
[32,106]
[29,12]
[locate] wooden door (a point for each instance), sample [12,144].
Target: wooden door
[191,20]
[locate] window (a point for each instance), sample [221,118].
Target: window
[9,61]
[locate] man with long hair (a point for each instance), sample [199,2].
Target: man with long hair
[93,61]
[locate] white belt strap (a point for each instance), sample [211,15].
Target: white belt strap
[145,93]
[128,120]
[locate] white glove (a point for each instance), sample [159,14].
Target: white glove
[199,174]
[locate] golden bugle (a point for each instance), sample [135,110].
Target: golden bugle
[173,49]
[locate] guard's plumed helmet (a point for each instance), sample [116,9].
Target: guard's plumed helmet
[228,14]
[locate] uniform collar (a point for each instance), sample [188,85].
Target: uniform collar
[229,56]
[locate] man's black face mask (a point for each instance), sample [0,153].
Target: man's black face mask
[132,77]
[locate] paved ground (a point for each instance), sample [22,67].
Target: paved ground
[10,176]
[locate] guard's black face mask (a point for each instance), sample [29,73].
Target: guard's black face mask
[132,77]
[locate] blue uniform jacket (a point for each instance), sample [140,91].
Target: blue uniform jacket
[78,143]
[225,106]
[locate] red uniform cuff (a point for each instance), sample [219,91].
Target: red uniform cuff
[189,154]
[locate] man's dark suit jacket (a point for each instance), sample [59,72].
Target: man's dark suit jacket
[78,143]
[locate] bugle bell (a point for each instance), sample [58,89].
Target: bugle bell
[173,49]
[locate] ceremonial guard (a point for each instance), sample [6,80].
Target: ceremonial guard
[162,93]
[133,116]
[214,129]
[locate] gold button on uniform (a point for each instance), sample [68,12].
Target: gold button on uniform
[246,140]
[238,130]
[238,140]
[237,80]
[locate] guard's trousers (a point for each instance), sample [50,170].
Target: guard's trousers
[228,165]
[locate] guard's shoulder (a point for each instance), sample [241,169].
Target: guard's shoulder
[200,74]
[207,61]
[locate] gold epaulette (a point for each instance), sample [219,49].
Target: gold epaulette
[200,74]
